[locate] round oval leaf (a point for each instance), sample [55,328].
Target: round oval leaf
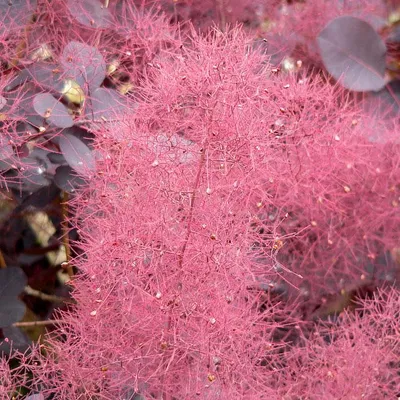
[67,179]
[15,13]
[18,340]
[6,150]
[48,107]
[77,154]
[37,396]
[83,64]
[353,53]
[107,105]
[44,75]
[12,283]
[3,102]
[33,176]
[56,158]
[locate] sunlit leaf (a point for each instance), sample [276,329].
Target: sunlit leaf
[3,102]
[37,396]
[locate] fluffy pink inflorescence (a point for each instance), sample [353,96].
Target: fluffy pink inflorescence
[164,300]
[358,359]
[223,168]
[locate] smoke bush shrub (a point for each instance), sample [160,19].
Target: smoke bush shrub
[226,179]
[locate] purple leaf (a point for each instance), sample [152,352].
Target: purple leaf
[18,340]
[37,396]
[15,13]
[12,283]
[353,53]
[107,104]
[48,107]
[67,179]
[83,64]
[33,173]
[6,151]
[77,154]
[45,75]
[3,102]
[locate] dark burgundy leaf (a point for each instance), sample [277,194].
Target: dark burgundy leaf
[39,199]
[56,158]
[32,174]
[67,179]
[24,108]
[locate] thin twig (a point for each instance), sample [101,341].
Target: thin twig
[65,239]
[47,297]
[2,261]
[37,323]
